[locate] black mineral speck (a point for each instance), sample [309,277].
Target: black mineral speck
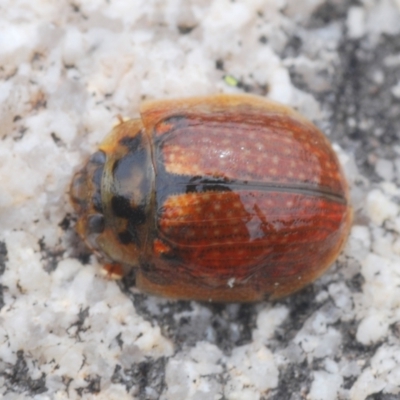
[17,377]
[142,375]
[93,386]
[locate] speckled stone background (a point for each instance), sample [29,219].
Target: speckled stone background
[67,69]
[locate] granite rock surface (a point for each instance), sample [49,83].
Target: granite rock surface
[67,70]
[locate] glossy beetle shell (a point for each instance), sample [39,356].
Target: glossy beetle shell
[220,198]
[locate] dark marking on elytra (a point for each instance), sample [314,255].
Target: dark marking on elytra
[171,184]
[176,122]
[199,184]
[132,143]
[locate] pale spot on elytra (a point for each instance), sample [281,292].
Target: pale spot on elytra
[217,206]
[273,171]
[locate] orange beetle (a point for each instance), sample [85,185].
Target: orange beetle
[219,198]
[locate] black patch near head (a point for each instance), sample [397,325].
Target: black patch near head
[130,235]
[132,143]
[122,208]
[137,216]
[125,237]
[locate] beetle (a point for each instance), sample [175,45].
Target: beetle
[220,198]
